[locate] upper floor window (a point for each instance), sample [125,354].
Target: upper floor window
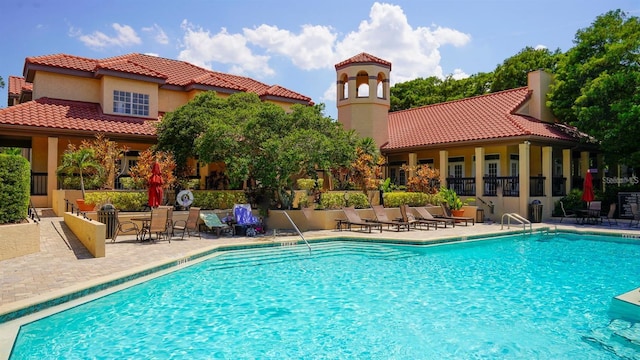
[125,102]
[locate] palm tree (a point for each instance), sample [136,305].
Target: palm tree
[82,162]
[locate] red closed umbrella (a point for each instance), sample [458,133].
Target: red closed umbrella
[155,186]
[587,189]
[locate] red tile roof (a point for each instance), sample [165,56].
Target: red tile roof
[169,72]
[363,58]
[17,84]
[491,116]
[55,115]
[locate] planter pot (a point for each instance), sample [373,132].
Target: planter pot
[457,212]
[82,206]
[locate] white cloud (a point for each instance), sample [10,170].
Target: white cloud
[386,33]
[160,36]
[459,74]
[330,94]
[203,48]
[540,47]
[125,36]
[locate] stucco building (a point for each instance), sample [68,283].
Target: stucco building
[504,149]
[62,99]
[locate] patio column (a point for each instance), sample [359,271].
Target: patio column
[479,171]
[444,167]
[413,162]
[524,154]
[52,165]
[584,163]
[547,172]
[566,169]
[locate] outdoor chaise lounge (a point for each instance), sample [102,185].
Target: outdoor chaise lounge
[408,217]
[353,219]
[382,218]
[566,214]
[213,223]
[446,213]
[424,214]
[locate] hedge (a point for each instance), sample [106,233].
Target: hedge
[218,199]
[337,200]
[121,200]
[395,199]
[15,185]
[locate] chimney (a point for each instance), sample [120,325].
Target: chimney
[538,82]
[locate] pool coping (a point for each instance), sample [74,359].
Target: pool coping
[14,315]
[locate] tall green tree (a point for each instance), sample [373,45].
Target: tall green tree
[512,73]
[1,83]
[597,85]
[258,141]
[80,162]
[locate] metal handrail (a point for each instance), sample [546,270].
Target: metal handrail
[298,231]
[518,217]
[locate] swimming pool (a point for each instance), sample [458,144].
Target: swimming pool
[515,297]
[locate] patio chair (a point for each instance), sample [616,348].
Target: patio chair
[158,224]
[213,223]
[424,214]
[354,219]
[408,217]
[124,227]
[566,214]
[382,218]
[446,213]
[610,215]
[636,215]
[595,210]
[169,218]
[190,225]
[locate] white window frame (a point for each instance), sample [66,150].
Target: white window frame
[130,103]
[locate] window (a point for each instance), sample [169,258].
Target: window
[125,102]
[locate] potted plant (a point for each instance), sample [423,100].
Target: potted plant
[83,163]
[455,203]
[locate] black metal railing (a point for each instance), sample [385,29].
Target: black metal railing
[510,185]
[38,183]
[558,186]
[536,185]
[463,186]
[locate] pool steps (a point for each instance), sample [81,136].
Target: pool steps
[252,257]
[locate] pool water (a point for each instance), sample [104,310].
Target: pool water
[535,297]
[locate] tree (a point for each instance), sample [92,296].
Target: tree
[107,153]
[512,73]
[597,85]
[1,83]
[141,172]
[258,142]
[81,162]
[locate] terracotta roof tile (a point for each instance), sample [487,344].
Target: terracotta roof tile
[174,72]
[363,58]
[491,116]
[17,84]
[57,114]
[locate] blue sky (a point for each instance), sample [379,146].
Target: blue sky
[296,43]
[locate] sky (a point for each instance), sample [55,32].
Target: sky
[294,43]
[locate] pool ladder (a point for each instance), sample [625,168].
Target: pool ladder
[298,231]
[516,217]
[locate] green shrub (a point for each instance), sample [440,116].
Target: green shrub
[121,200]
[338,199]
[358,200]
[15,184]
[571,201]
[218,199]
[306,184]
[397,198]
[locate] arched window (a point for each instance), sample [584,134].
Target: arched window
[362,84]
[344,88]
[381,86]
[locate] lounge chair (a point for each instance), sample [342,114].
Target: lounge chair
[636,215]
[382,218]
[566,214]
[245,219]
[424,214]
[408,217]
[610,215]
[213,223]
[353,219]
[190,225]
[446,213]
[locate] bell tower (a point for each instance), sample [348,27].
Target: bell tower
[363,96]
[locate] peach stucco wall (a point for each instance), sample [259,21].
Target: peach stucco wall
[46,84]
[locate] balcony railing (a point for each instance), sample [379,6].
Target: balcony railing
[558,186]
[536,185]
[463,186]
[38,183]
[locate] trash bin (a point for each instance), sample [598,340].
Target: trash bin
[535,211]
[480,215]
[107,215]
